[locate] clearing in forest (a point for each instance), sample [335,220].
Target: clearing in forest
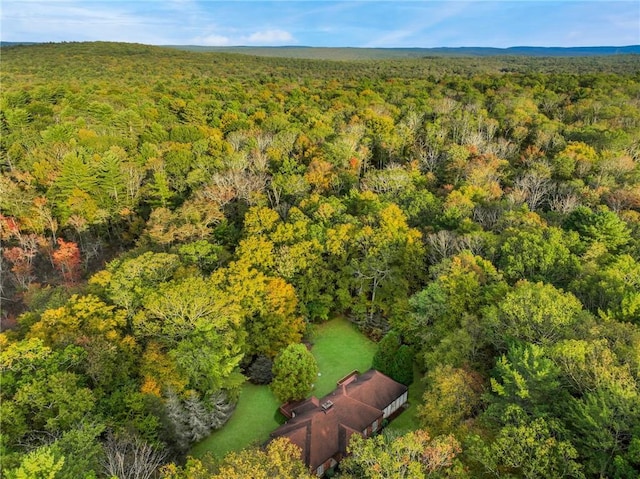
[338,347]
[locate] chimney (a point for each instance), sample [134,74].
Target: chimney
[328,404]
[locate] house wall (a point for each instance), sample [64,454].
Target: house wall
[373,427]
[328,464]
[395,405]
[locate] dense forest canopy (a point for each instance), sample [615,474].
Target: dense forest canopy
[174,222]
[346,53]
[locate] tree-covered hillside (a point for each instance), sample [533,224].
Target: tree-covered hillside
[346,53]
[172,221]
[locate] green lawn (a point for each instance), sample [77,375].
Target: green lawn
[339,349]
[254,418]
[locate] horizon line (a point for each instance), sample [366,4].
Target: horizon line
[29,42]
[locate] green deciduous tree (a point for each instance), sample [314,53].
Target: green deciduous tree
[268,305]
[295,370]
[42,395]
[280,458]
[394,358]
[81,317]
[446,324]
[128,281]
[414,455]
[538,255]
[588,365]
[201,328]
[55,403]
[38,464]
[294,250]
[536,313]
[82,451]
[209,359]
[176,308]
[612,290]
[381,257]
[192,221]
[529,449]
[96,327]
[452,396]
[205,255]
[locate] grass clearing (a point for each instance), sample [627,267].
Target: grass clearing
[408,420]
[256,415]
[339,348]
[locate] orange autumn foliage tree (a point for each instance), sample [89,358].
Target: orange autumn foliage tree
[159,372]
[66,259]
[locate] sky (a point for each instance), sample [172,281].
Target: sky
[366,23]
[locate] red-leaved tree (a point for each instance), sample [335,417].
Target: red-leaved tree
[66,259]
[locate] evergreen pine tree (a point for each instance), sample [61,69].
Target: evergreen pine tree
[176,415]
[221,409]
[197,417]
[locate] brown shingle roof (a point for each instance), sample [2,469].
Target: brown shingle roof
[322,434]
[294,408]
[375,389]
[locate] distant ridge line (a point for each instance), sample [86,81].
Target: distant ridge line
[374,53]
[357,53]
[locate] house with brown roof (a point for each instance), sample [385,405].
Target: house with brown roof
[322,427]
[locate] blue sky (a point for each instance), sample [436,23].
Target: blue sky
[365,23]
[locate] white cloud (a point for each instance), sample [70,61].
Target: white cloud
[368,23]
[78,20]
[270,37]
[233,38]
[213,41]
